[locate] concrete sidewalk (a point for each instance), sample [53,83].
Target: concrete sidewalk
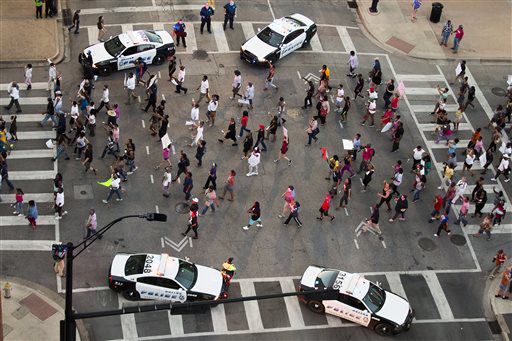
[501,308]
[32,313]
[487,28]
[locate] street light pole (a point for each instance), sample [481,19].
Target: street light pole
[68,325]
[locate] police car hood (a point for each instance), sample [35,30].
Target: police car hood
[257,47]
[209,281]
[98,52]
[395,308]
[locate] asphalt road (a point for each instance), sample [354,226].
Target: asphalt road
[442,278]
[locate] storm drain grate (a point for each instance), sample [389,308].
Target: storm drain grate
[352,4]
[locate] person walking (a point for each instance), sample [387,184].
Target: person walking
[310,91]
[503,168]
[283,151]
[61,148]
[102,30]
[231,132]
[166,157]
[59,204]
[253,161]
[463,212]
[260,138]
[179,32]
[416,4]
[272,129]
[28,76]
[324,209]
[385,196]
[129,84]
[269,81]
[212,110]
[294,213]
[438,206]
[371,109]
[183,165]
[39,9]
[248,95]
[347,193]
[397,180]
[419,186]
[446,32]
[498,261]
[14,93]
[485,227]
[91,225]
[180,80]
[236,85]
[200,151]
[188,184]
[88,157]
[206,14]
[243,123]
[370,169]
[229,186]
[18,204]
[32,214]
[204,89]
[372,222]
[166,181]
[199,134]
[443,225]
[210,200]
[359,87]
[255,216]
[480,199]
[76,22]
[460,188]
[353,64]
[212,177]
[115,187]
[248,145]
[288,196]
[229,14]
[400,208]
[459,34]
[192,221]
[506,280]
[312,131]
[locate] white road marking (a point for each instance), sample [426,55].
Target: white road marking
[128,325]
[190,242]
[420,78]
[176,324]
[156,209]
[421,91]
[36,135]
[395,284]
[316,45]
[37,197]
[162,242]
[143,124]
[383,244]
[346,211]
[487,207]
[179,180]
[21,221]
[35,86]
[91,11]
[341,124]
[432,126]
[427,108]
[151,178]
[31,154]
[248,30]
[498,229]
[27,245]
[357,244]
[271,10]
[252,310]
[220,37]
[476,165]
[32,175]
[158,26]
[298,74]
[147,150]
[220,325]
[92,32]
[126,27]
[191,39]
[173,150]
[138,99]
[292,304]
[333,321]
[345,39]
[26,101]
[439,297]
[163,96]
[29,117]
[433,145]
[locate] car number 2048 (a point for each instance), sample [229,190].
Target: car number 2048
[148,263]
[339,281]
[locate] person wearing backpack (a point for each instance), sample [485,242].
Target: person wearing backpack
[294,213]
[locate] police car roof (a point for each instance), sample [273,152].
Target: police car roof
[167,266]
[285,25]
[354,285]
[130,38]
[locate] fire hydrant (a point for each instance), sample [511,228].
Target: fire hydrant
[7,290]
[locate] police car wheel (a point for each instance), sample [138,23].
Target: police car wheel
[383,329]
[131,294]
[159,59]
[104,70]
[316,307]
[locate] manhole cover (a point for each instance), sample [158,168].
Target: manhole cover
[182,207]
[499,92]
[427,244]
[458,239]
[200,54]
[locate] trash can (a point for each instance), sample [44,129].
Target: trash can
[437,9]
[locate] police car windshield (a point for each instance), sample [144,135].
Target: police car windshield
[187,274]
[326,279]
[114,46]
[374,298]
[134,265]
[270,37]
[154,38]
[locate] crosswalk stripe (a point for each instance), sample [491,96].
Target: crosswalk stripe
[439,297]
[220,37]
[32,175]
[433,126]
[35,86]
[333,321]
[36,135]
[191,38]
[26,101]
[316,45]
[487,207]
[460,164]
[429,107]
[219,322]
[176,324]
[292,304]
[133,9]
[15,220]
[158,26]
[248,30]
[92,34]
[421,91]
[128,325]
[420,78]
[126,27]
[345,39]
[395,285]
[252,310]
[487,188]
[434,145]
[26,245]
[23,118]
[37,197]
[31,154]
[499,229]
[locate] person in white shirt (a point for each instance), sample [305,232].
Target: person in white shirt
[52,76]
[166,181]
[28,76]
[74,113]
[417,154]
[129,84]
[353,64]
[194,114]
[237,84]
[340,97]
[372,109]
[249,94]
[372,94]
[105,99]
[199,134]
[14,92]
[212,109]
[503,168]
[59,204]
[254,161]
[460,188]
[203,89]
[180,80]
[470,160]
[115,187]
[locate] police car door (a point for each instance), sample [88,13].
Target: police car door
[292,42]
[348,308]
[159,288]
[127,59]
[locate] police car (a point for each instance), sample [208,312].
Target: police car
[121,52]
[160,277]
[280,38]
[356,299]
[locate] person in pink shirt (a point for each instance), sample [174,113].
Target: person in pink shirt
[463,212]
[459,33]
[166,156]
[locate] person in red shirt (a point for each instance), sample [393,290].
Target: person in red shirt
[368,153]
[283,151]
[498,261]
[243,123]
[438,205]
[394,102]
[324,209]
[386,118]
[459,33]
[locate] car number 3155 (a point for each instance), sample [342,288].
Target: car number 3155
[148,263]
[339,281]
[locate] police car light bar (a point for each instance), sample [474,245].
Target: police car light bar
[350,285]
[163,263]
